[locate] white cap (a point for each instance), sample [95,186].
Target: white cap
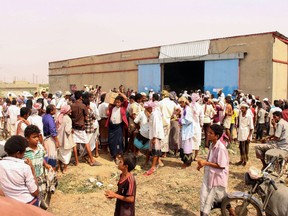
[265,99]
[244,105]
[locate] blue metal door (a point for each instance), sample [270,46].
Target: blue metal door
[221,74]
[149,77]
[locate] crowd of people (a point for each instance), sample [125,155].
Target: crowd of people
[46,130]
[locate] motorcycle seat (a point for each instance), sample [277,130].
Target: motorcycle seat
[278,153]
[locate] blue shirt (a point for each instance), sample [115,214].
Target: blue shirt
[49,126]
[186,121]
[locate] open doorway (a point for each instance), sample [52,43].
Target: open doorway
[181,76]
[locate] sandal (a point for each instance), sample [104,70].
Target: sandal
[238,163]
[96,163]
[149,172]
[86,159]
[74,163]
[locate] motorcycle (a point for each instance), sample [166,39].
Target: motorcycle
[47,184]
[267,195]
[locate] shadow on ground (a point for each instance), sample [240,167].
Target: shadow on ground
[169,163]
[173,209]
[240,186]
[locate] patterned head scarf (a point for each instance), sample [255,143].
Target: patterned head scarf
[149,104]
[173,96]
[35,108]
[195,97]
[64,110]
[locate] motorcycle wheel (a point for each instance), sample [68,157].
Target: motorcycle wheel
[238,205]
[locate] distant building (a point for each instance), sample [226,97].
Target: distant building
[18,87]
[255,63]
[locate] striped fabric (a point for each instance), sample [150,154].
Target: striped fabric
[37,158]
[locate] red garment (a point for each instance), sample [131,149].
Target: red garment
[253,112]
[126,188]
[123,109]
[285,114]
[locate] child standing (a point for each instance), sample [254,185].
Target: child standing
[35,151]
[126,194]
[216,169]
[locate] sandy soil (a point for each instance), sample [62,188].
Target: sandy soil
[171,191]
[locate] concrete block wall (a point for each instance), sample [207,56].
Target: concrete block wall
[108,71]
[255,70]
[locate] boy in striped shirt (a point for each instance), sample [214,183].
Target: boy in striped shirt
[35,151]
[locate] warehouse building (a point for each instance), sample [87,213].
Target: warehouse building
[256,63]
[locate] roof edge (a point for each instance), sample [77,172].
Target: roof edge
[103,54]
[248,35]
[274,33]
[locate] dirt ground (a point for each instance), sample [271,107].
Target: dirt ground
[170,191]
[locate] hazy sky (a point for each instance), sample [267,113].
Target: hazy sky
[35,32]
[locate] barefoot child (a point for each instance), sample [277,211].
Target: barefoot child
[216,168]
[125,204]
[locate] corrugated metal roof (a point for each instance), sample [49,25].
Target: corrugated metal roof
[197,48]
